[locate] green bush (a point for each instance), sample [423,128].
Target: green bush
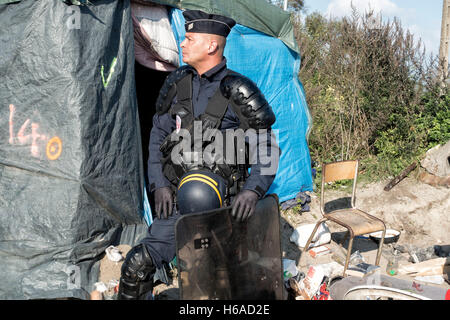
[373,93]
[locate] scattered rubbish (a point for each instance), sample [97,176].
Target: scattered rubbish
[446,278]
[338,258]
[339,289]
[96,295]
[302,233]
[431,267]
[356,258]
[442,251]
[304,199]
[297,292]
[319,251]
[436,279]
[332,269]
[362,270]
[323,293]
[301,199]
[100,287]
[112,290]
[289,269]
[421,254]
[113,254]
[312,282]
[391,236]
[334,280]
[414,258]
[392,267]
[417,286]
[289,204]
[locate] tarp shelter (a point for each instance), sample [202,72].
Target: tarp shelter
[72,159]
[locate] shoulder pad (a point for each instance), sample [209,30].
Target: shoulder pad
[250,101]
[168,89]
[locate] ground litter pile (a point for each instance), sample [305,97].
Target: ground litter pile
[418,210]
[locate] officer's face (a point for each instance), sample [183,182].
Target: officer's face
[195,48]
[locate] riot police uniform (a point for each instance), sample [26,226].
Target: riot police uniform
[221,99]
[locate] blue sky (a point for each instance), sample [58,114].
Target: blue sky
[422,18]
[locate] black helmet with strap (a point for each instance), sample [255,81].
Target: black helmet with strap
[200,190]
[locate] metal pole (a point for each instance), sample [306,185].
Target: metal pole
[445,38]
[285,5]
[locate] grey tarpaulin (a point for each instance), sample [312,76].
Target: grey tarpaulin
[71,171]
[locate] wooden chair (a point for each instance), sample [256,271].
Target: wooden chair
[356,221]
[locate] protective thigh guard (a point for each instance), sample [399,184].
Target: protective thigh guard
[136,280]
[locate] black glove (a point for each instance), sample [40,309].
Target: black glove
[244,205]
[164,201]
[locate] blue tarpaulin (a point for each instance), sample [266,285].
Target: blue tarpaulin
[274,68]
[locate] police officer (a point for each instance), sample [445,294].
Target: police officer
[202,90]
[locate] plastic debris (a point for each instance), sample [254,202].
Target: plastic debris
[289,269]
[113,254]
[332,269]
[302,233]
[356,258]
[323,293]
[112,290]
[100,287]
[362,270]
[436,279]
[319,251]
[310,285]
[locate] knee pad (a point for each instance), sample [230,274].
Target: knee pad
[137,273]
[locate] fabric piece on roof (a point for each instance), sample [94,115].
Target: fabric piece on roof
[154,44]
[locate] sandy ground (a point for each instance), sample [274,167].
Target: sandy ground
[420,211]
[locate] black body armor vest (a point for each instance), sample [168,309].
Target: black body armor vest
[235,90]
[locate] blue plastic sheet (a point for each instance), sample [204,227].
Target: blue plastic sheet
[274,68]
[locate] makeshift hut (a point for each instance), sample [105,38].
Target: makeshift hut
[78,84]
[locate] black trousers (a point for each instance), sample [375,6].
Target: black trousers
[160,240]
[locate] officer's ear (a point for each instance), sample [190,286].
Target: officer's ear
[213,46]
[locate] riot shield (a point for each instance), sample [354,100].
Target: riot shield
[221,259]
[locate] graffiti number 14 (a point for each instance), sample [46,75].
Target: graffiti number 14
[54,145]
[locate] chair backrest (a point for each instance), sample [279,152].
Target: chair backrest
[336,171]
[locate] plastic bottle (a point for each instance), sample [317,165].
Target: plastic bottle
[392,265]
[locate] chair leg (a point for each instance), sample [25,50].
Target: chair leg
[305,249]
[341,244]
[349,252]
[377,261]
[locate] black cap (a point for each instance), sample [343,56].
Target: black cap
[202,22]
